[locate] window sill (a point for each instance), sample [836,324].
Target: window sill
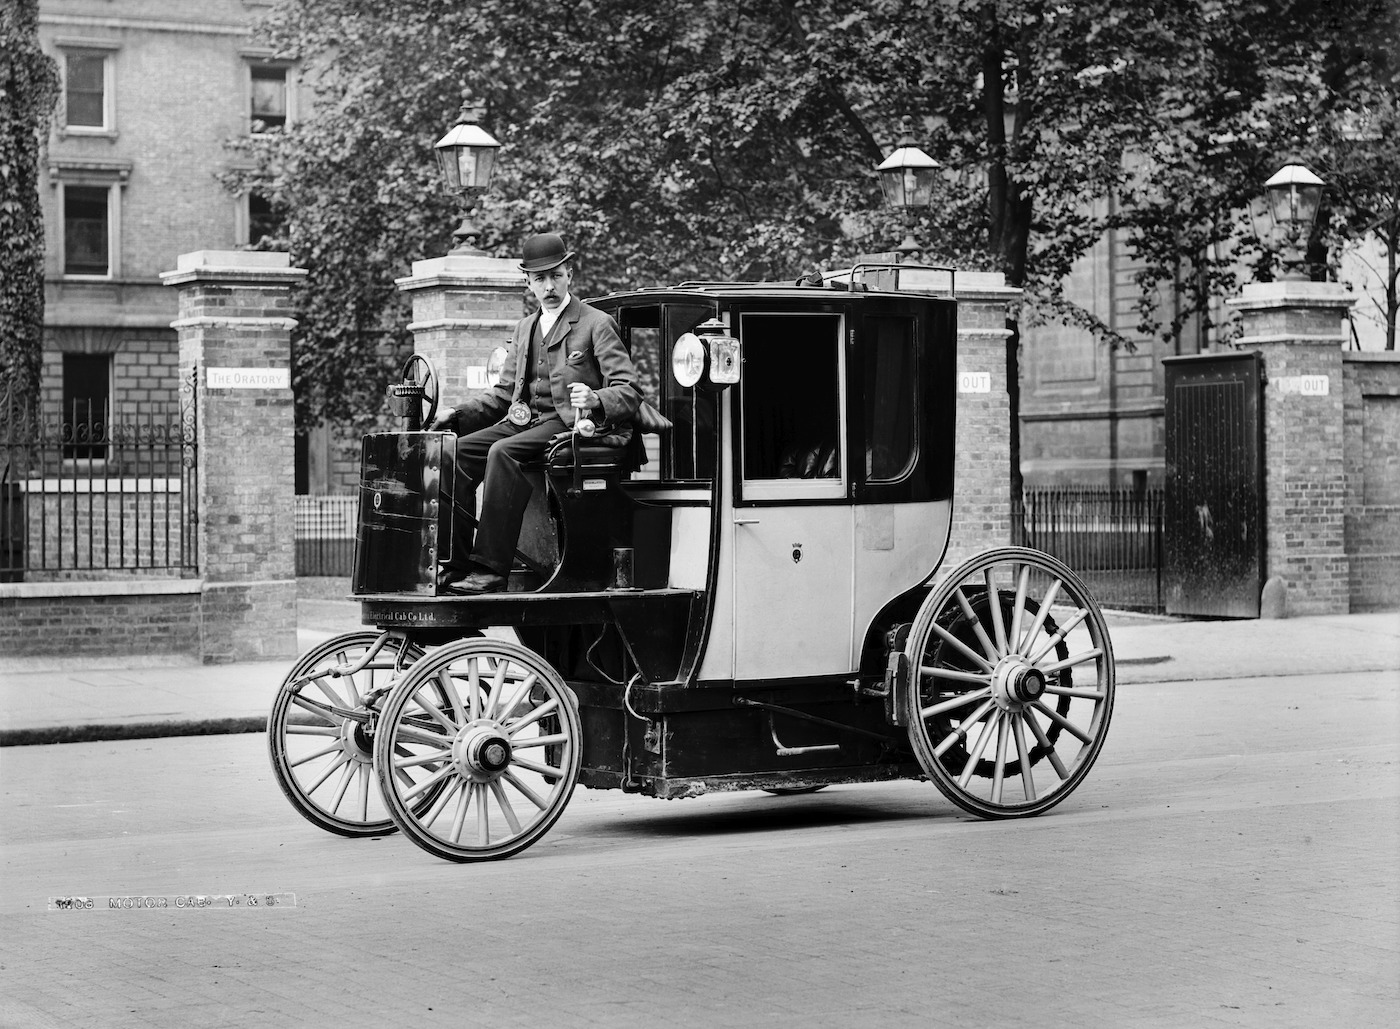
[81,132]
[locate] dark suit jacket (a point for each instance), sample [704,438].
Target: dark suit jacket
[583,346]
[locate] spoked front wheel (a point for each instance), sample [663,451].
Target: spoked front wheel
[1012,683]
[320,730]
[491,732]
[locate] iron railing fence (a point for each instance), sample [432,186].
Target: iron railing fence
[325,534]
[1112,538]
[88,492]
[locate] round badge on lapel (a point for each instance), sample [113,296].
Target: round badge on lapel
[519,413]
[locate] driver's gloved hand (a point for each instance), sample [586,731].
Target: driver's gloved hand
[445,423]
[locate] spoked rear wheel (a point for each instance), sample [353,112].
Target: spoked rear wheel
[320,731]
[493,729]
[1012,683]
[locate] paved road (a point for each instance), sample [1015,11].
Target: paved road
[1229,862]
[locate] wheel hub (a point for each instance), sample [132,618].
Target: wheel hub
[1016,683]
[357,740]
[481,750]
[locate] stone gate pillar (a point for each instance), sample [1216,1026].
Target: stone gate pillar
[1299,330]
[234,328]
[982,463]
[464,307]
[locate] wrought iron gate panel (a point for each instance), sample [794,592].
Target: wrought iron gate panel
[1214,483]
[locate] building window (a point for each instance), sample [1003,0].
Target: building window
[87,398]
[87,246]
[87,90]
[87,87]
[265,222]
[269,99]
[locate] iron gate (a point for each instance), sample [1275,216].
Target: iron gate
[1214,484]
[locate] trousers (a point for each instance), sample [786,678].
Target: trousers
[490,480]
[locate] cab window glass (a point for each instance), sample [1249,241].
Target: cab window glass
[687,450]
[891,393]
[791,399]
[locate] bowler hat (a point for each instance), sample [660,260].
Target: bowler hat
[543,252]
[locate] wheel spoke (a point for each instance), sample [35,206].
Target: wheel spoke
[530,794]
[423,759]
[459,819]
[474,687]
[483,817]
[364,777]
[440,804]
[976,624]
[407,734]
[435,713]
[1073,661]
[1046,603]
[313,756]
[1018,607]
[960,733]
[449,689]
[340,760]
[994,603]
[425,784]
[1044,741]
[1023,756]
[498,687]
[1075,691]
[546,770]
[999,771]
[975,755]
[540,741]
[1060,634]
[548,707]
[955,674]
[506,809]
[960,700]
[301,729]
[342,786]
[1063,722]
[335,698]
[959,645]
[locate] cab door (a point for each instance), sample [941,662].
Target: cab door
[793,523]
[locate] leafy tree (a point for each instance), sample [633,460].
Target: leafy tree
[28,86]
[718,140]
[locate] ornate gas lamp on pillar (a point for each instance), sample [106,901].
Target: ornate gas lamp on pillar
[466,157]
[1293,196]
[907,177]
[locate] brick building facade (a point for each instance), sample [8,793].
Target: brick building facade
[151,92]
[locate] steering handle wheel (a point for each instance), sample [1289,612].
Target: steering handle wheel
[427,381]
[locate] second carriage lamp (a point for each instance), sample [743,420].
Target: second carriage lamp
[907,178]
[466,157]
[1293,197]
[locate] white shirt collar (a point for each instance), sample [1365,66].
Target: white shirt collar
[548,317]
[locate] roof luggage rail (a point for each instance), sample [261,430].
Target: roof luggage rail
[889,272]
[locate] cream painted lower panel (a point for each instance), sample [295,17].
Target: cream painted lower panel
[897,547]
[792,591]
[690,547]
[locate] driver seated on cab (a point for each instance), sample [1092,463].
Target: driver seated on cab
[569,358]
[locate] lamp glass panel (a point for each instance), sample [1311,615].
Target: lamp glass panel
[918,187]
[466,166]
[892,183]
[447,164]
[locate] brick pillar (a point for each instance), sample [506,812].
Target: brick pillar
[1299,329]
[234,327]
[982,469]
[464,307]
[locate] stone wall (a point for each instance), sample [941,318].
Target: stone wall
[1372,468]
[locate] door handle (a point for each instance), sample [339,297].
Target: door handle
[746,521]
